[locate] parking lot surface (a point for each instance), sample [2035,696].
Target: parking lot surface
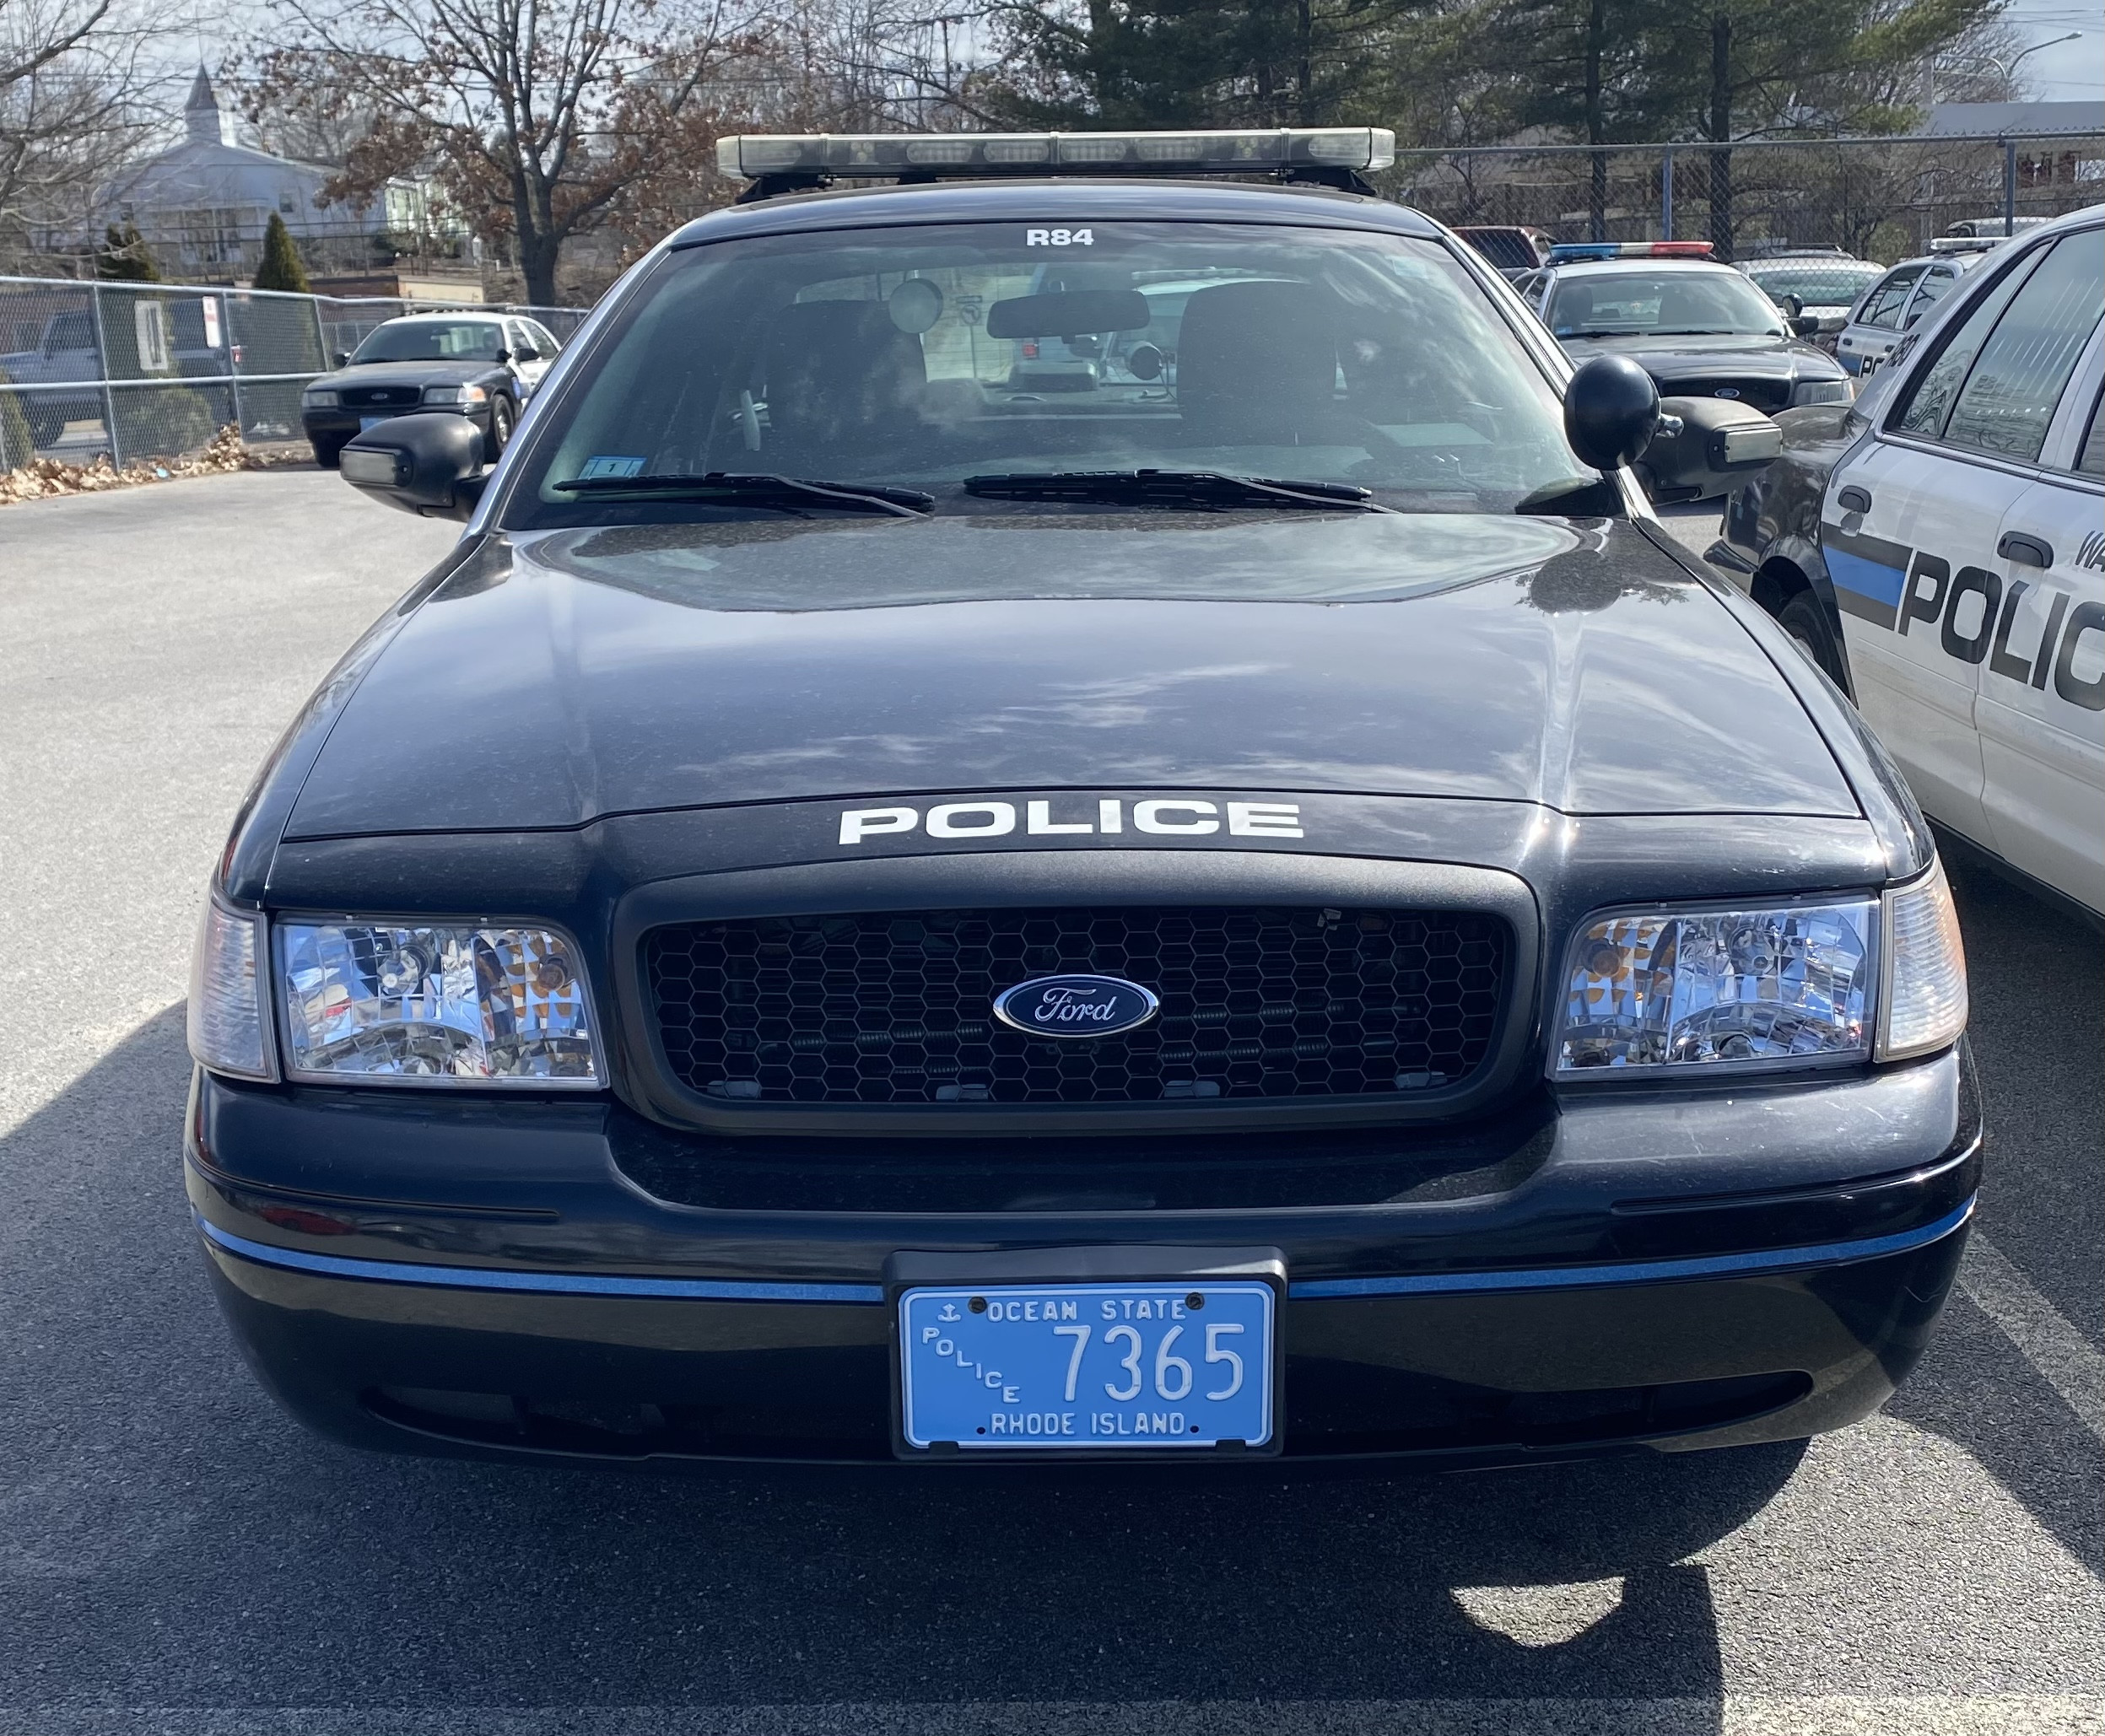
[175,1557]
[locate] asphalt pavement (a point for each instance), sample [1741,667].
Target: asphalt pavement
[175,1557]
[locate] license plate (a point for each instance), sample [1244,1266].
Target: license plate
[366,422]
[1087,1367]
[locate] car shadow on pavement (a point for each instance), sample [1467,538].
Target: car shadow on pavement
[2037,978]
[189,1545]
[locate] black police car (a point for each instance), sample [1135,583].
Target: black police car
[869,913]
[480,367]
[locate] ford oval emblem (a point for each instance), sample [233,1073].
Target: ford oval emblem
[1727,392]
[1075,1006]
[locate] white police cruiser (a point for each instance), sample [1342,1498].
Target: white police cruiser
[1939,548]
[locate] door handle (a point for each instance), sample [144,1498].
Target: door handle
[2025,551]
[1853,499]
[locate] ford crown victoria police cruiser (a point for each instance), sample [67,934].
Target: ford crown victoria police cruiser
[1939,549]
[1255,908]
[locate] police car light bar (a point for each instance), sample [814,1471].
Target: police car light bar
[891,155]
[1573,252]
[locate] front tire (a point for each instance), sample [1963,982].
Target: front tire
[1803,618]
[327,453]
[504,418]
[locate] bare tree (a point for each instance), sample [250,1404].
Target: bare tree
[538,116]
[75,96]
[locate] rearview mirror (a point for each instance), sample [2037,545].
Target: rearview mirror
[1065,313]
[430,464]
[1611,409]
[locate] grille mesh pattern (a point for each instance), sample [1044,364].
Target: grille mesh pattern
[897,1008]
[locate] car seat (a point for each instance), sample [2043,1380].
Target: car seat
[1257,364]
[843,383]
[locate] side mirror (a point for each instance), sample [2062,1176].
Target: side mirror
[1704,440]
[1611,409]
[341,360]
[1804,325]
[1793,305]
[1144,362]
[526,352]
[429,463]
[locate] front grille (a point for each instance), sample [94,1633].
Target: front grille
[1766,396]
[898,1007]
[378,397]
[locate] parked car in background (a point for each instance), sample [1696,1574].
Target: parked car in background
[1821,286]
[1700,329]
[1898,303]
[1938,548]
[482,365]
[1514,248]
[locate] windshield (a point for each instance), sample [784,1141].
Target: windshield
[1832,284]
[1661,304]
[433,341]
[916,358]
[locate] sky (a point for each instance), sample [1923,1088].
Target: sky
[2071,72]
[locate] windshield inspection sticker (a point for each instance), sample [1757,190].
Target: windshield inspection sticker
[595,468]
[1059,238]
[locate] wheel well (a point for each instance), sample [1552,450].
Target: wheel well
[1776,583]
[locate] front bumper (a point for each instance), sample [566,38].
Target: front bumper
[334,427]
[1636,1269]
[489,1278]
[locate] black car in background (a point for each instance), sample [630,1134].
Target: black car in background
[1698,328]
[867,913]
[481,366]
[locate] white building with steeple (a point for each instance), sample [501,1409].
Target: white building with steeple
[201,205]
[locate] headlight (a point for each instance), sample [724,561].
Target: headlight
[1819,391]
[438,1006]
[229,1031]
[1698,990]
[1925,1005]
[318,397]
[454,395]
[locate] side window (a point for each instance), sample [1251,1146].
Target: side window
[1937,388]
[1936,283]
[1882,306]
[2091,461]
[516,338]
[2010,397]
[544,340]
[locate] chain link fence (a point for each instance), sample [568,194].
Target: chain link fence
[133,371]
[1881,200]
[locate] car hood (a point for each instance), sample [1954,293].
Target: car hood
[1667,359]
[559,677]
[409,374]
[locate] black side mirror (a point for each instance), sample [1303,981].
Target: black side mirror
[342,358]
[526,352]
[1793,306]
[430,464]
[1804,325]
[1144,362]
[1611,409]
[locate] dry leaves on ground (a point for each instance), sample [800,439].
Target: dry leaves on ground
[44,477]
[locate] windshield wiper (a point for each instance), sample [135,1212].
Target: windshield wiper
[787,492]
[1171,488]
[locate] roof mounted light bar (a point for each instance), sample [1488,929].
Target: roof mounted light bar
[1335,156]
[1577,252]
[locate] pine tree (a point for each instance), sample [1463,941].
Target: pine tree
[122,257]
[281,268]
